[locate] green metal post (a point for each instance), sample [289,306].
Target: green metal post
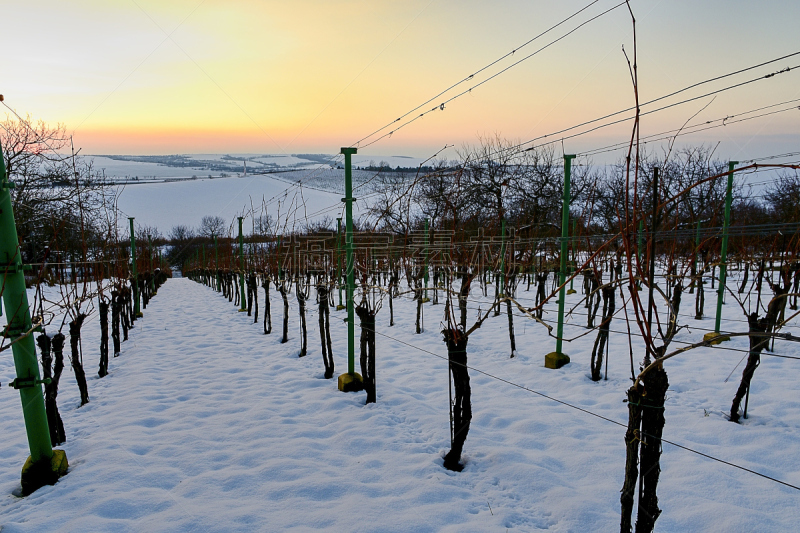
[350,265]
[351,381]
[573,265]
[502,282]
[339,260]
[136,311]
[564,240]
[242,307]
[558,358]
[723,265]
[15,300]
[425,298]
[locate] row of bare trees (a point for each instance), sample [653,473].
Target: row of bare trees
[494,181]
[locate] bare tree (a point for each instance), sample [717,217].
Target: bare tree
[180,240]
[48,188]
[211,225]
[393,208]
[783,197]
[490,177]
[264,225]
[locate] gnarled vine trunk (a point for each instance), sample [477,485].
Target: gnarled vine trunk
[301,309]
[700,299]
[325,330]
[267,313]
[75,359]
[418,298]
[250,282]
[601,342]
[116,308]
[54,423]
[367,318]
[675,308]
[541,289]
[103,371]
[655,390]
[745,277]
[125,294]
[461,406]
[512,339]
[759,339]
[593,301]
[632,440]
[282,289]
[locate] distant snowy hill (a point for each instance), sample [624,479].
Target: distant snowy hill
[168,190]
[150,167]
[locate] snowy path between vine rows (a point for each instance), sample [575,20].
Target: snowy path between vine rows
[206,424]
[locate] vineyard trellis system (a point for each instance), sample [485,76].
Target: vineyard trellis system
[512,260]
[667,262]
[115,281]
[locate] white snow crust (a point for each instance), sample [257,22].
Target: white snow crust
[206,424]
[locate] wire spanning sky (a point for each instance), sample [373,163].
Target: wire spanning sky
[244,76]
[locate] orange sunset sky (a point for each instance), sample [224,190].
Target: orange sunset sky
[214,76]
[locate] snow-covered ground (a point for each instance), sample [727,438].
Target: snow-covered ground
[165,205]
[206,424]
[294,198]
[296,189]
[193,164]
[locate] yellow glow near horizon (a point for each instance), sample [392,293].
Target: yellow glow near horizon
[144,76]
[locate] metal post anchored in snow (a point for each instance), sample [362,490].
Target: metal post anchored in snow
[339,261]
[242,308]
[351,381]
[45,465]
[558,359]
[574,263]
[427,254]
[134,280]
[723,265]
[502,281]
